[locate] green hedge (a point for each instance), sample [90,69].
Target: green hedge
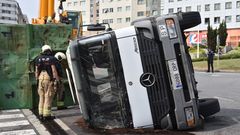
[233,54]
[222,57]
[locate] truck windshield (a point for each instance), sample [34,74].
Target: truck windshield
[104,95]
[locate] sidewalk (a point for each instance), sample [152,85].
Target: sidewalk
[19,122]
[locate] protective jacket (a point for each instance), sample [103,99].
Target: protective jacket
[44,62]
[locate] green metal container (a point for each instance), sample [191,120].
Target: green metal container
[19,46]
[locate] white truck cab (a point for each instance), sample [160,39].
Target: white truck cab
[139,76]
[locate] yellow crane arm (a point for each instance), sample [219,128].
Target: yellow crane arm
[46,10]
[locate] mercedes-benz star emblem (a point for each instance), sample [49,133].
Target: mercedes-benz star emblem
[147,79]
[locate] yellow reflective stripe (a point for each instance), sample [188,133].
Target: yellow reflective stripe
[40,111]
[60,103]
[46,112]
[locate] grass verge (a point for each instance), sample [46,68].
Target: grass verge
[231,65]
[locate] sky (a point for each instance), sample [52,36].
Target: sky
[30,8]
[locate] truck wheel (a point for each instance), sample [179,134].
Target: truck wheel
[189,19]
[208,106]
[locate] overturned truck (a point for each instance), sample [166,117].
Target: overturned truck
[140,76]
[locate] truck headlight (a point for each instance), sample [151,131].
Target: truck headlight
[171,28]
[189,116]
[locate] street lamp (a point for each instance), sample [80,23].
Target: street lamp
[198,45]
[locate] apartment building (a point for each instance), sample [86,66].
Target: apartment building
[118,13]
[213,12]
[10,13]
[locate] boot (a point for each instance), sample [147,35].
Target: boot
[47,118]
[40,117]
[61,107]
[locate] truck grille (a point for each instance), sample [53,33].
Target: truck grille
[153,61]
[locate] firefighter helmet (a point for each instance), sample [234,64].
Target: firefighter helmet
[46,47]
[64,14]
[60,56]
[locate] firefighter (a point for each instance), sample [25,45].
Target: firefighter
[60,86]
[64,17]
[46,75]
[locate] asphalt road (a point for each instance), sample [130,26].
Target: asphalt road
[226,88]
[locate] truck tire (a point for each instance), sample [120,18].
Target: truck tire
[208,106]
[189,19]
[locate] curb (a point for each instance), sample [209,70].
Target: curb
[35,122]
[217,71]
[68,130]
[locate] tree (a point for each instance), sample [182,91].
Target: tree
[211,38]
[222,32]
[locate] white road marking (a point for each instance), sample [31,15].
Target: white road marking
[11,116]
[226,99]
[215,74]
[14,123]
[19,132]
[13,110]
[64,127]
[235,119]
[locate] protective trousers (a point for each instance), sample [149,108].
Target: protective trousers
[60,95]
[46,94]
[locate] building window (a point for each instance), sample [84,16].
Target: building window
[110,9]
[170,10]
[83,12]
[141,13]
[128,19]
[107,10]
[207,7]
[238,18]
[6,11]
[75,3]
[119,9]
[228,5]
[216,20]
[82,3]
[188,8]
[110,20]
[140,2]
[179,9]
[238,4]
[207,21]
[6,5]
[228,19]
[199,8]
[97,11]
[128,8]
[119,20]
[170,1]
[217,6]
[105,21]
[69,4]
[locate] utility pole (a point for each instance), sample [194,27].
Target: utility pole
[218,44]
[198,44]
